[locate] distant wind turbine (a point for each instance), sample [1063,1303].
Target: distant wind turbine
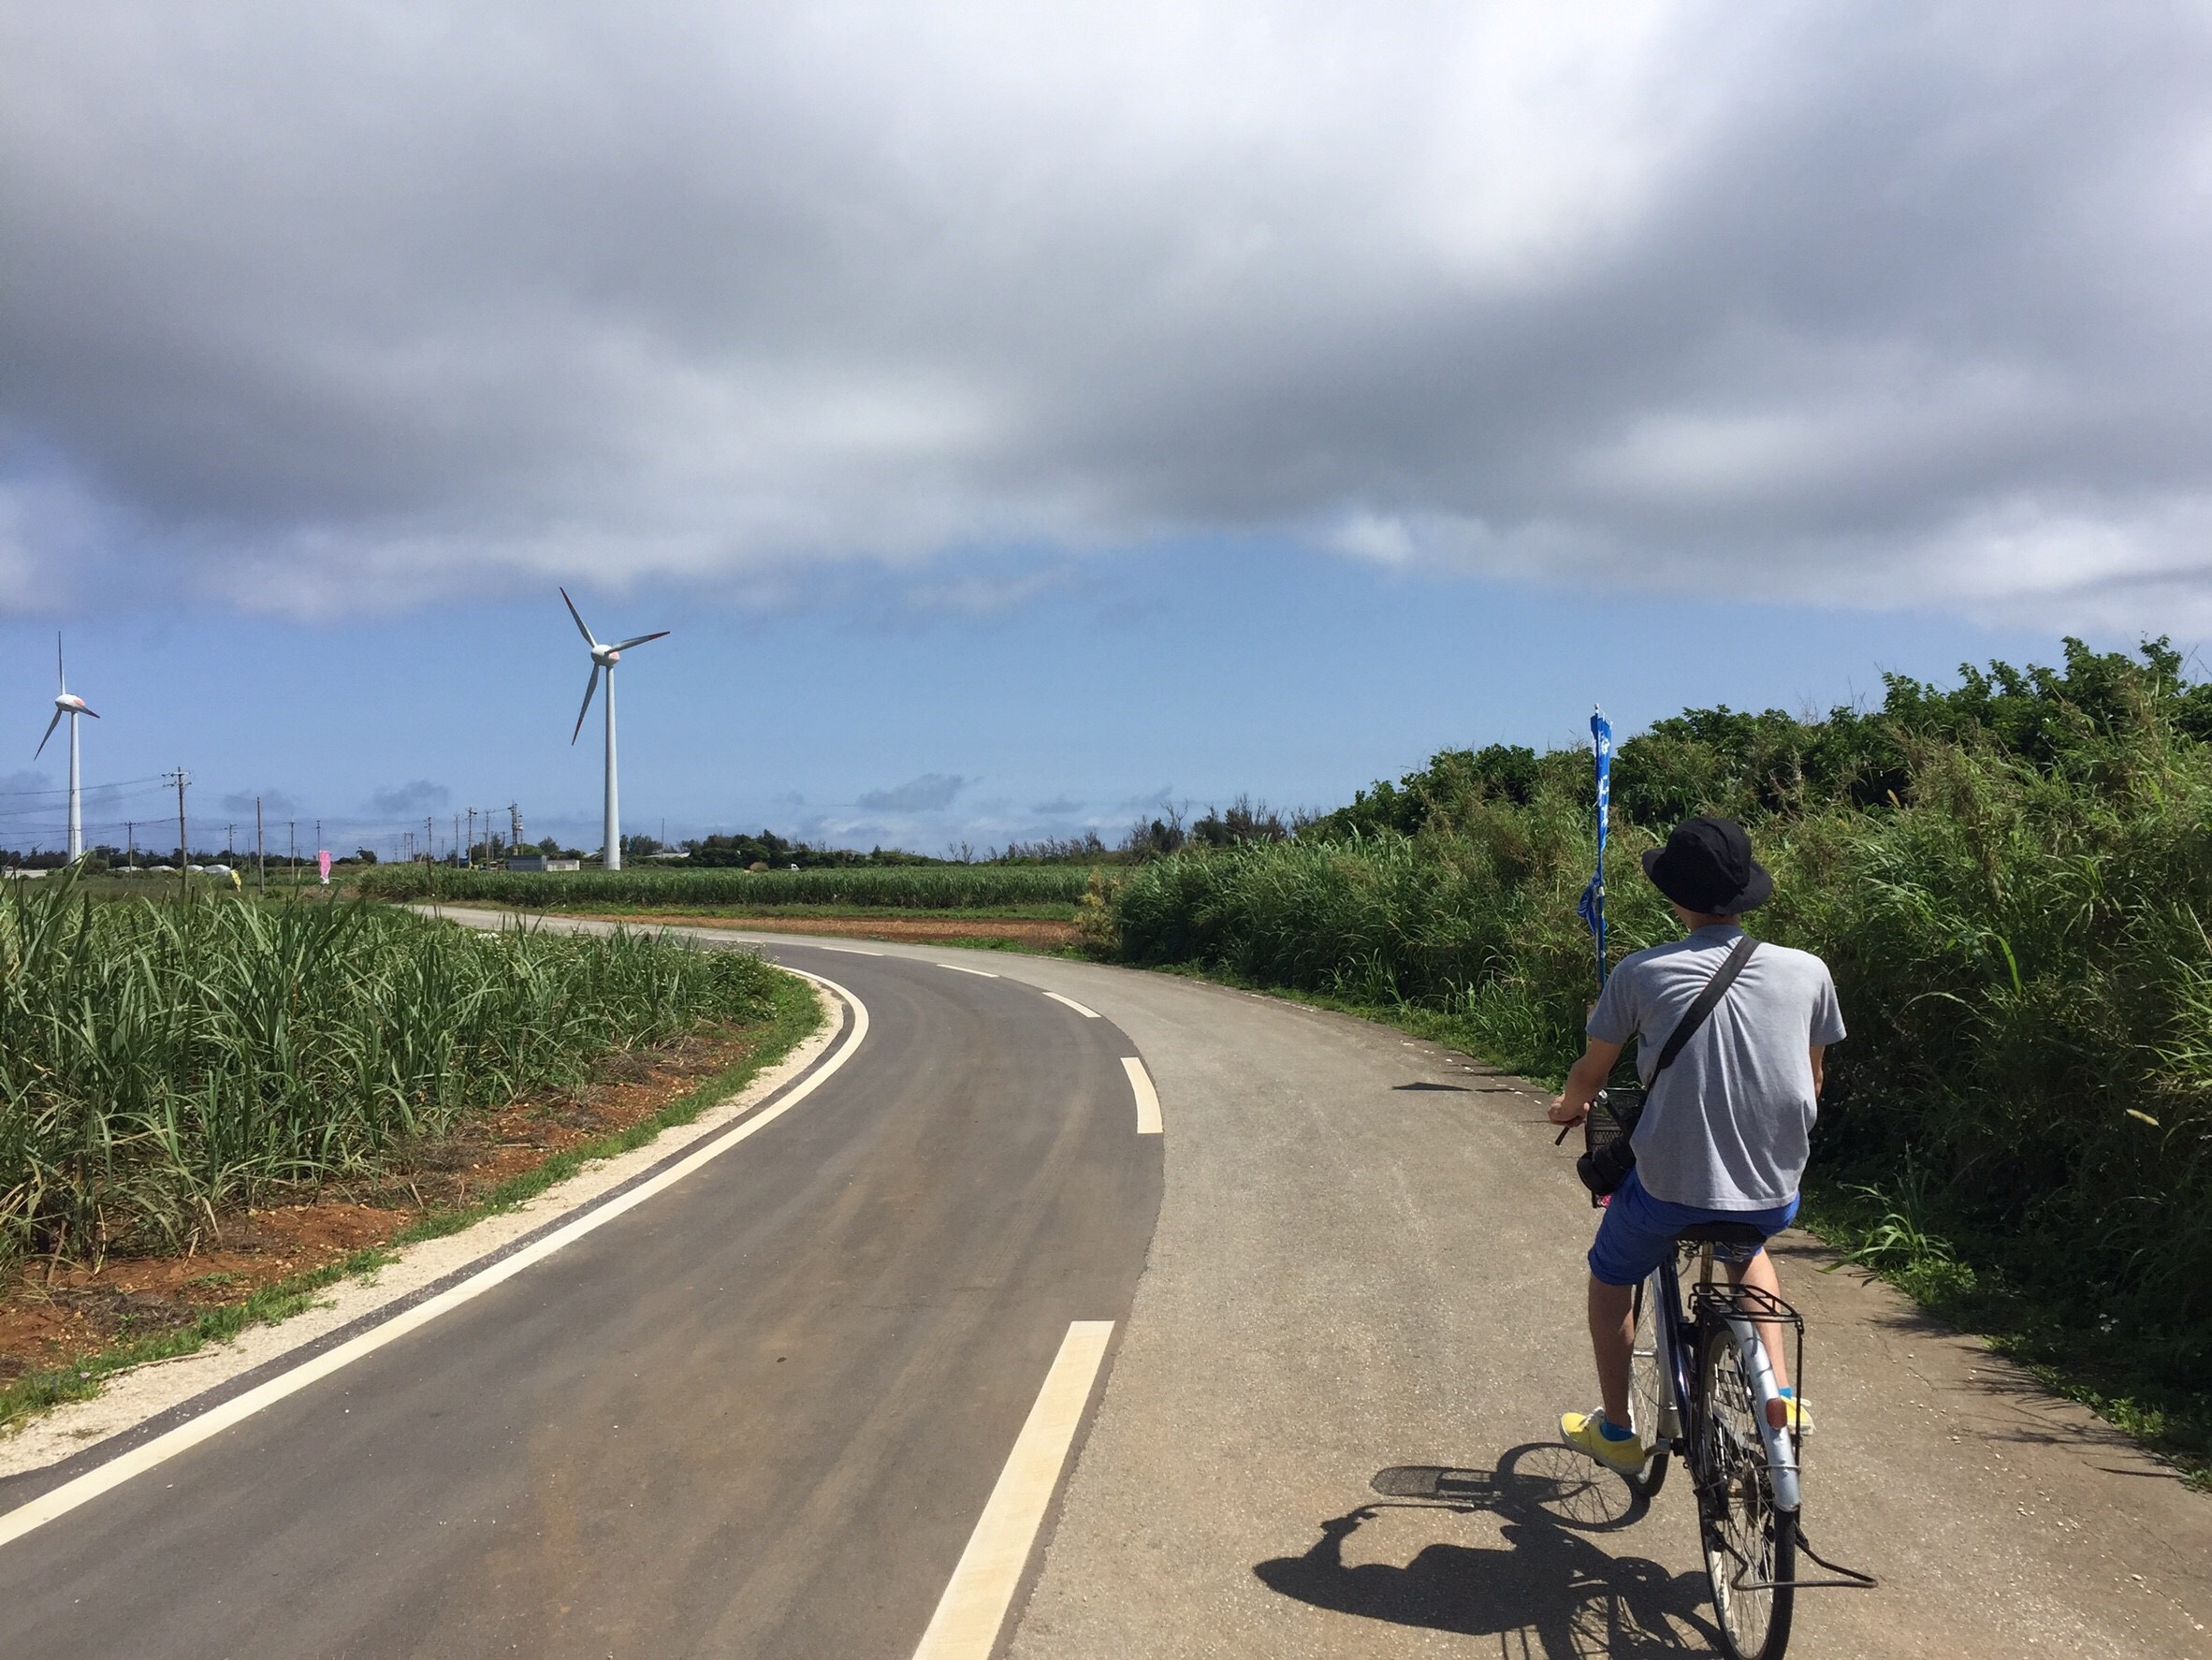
[603,657]
[67,703]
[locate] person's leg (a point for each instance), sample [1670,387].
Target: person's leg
[1632,1238]
[1758,1273]
[1612,1338]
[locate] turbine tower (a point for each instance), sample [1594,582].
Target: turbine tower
[67,703]
[603,657]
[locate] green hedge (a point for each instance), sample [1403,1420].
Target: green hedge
[2017,927]
[925,887]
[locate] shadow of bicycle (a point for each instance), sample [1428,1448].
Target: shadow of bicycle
[1546,1588]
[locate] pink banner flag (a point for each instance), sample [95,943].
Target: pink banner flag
[323,864]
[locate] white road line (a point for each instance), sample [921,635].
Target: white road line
[1147,1097]
[850,951]
[973,1608]
[139,1460]
[956,968]
[1087,1014]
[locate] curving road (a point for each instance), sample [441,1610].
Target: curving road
[761,1413]
[1324,1432]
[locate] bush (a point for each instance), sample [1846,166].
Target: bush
[2010,880]
[916,887]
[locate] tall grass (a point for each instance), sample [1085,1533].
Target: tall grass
[2019,939]
[924,887]
[160,1062]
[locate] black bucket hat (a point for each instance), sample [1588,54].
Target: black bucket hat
[1707,866]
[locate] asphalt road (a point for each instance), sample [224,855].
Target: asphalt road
[759,1414]
[1327,1430]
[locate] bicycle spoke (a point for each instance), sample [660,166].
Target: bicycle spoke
[1648,1384]
[1749,1553]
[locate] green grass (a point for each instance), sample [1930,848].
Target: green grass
[163,1062]
[795,1015]
[1897,1231]
[1047,913]
[922,887]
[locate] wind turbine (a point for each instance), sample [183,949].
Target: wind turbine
[67,703]
[603,657]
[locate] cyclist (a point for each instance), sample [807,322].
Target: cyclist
[1725,1129]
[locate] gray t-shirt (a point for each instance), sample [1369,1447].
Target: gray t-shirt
[1728,1126]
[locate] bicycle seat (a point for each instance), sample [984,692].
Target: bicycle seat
[1722,1233]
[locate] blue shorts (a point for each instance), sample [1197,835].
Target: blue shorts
[1636,1231]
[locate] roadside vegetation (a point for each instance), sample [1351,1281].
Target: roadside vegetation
[222,1304]
[162,1064]
[902,887]
[2012,878]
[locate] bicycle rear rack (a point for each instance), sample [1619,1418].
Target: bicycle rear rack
[1738,1311]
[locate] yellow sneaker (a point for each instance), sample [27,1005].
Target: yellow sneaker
[1580,1431]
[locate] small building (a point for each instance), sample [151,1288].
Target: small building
[538,862]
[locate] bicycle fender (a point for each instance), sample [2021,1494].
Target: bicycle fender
[1782,1458]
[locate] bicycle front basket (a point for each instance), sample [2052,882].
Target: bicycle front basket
[1611,1120]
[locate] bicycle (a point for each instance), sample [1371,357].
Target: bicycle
[1702,1387]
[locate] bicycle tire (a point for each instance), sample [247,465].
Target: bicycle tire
[1744,1537]
[1648,1386]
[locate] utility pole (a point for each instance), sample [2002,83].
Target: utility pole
[181,777]
[471,843]
[230,844]
[130,837]
[292,847]
[260,853]
[514,824]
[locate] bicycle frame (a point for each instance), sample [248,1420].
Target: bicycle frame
[1676,1335]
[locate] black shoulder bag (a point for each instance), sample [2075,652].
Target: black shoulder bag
[1607,1157]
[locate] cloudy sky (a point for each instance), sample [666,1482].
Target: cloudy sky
[1021,414]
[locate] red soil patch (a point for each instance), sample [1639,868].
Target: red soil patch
[56,1312]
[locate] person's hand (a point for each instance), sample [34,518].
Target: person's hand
[1560,1112]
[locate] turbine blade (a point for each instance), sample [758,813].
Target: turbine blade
[589,690]
[579,616]
[50,726]
[61,681]
[93,713]
[641,640]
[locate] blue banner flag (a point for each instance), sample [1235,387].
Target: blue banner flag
[1592,906]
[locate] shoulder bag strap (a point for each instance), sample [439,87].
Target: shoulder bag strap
[1707,1001]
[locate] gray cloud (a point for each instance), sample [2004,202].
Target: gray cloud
[1786,304]
[276,804]
[933,791]
[405,801]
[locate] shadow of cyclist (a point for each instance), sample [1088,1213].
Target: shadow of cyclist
[1548,1581]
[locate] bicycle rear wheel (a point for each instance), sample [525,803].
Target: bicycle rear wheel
[1750,1547]
[1649,1386]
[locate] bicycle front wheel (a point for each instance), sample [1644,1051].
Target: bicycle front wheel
[1750,1547]
[1649,1385]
